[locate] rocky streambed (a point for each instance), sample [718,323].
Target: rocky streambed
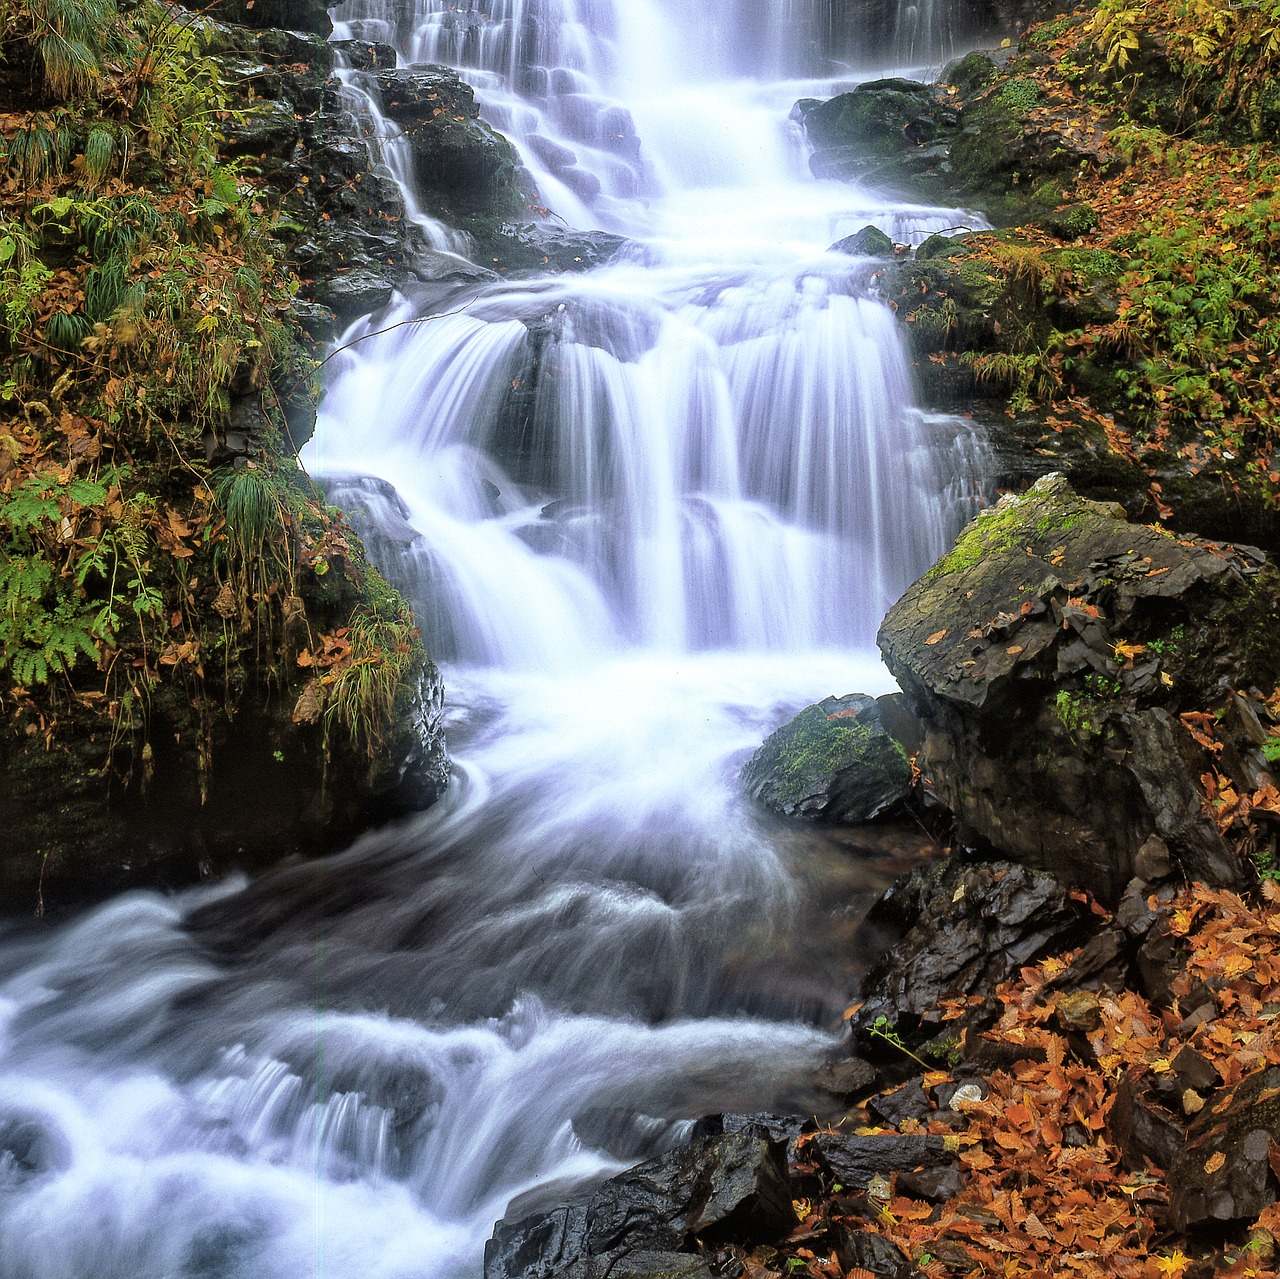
[1033,1066]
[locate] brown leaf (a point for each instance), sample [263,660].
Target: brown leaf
[306,709]
[936,637]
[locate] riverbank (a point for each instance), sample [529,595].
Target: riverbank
[202,668]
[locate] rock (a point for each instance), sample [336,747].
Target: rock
[884,132]
[834,762]
[1046,740]
[733,1186]
[907,1102]
[353,293]
[974,71]
[1224,1173]
[855,1160]
[863,1250]
[1143,1129]
[365,55]
[465,167]
[966,928]
[848,1079]
[290,15]
[1194,1071]
[870,242]
[937,1185]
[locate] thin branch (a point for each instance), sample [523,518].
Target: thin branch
[421,319]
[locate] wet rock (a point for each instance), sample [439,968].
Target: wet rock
[1194,1071]
[907,1102]
[966,928]
[1224,1172]
[356,292]
[365,55]
[733,1186]
[863,1250]
[870,242]
[834,762]
[885,132]
[937,1185]
[848,1079]
[466,168]
[290,15]
[855,1160]
[1143,1129]
[1050,656]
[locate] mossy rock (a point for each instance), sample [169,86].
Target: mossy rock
[870,242]
[835,762]
[1050,655]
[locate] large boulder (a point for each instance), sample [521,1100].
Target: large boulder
[835,762]
[992,139]
[891,133]
[961,930]
[1224,1173]
[648,1221]
[464,167]
[291,15]
[1053,654]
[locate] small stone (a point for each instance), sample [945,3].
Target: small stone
[1153,862]
[1079,1011]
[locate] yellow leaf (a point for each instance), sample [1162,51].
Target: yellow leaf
[1214,1162]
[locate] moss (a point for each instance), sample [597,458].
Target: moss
[1089,266]
[815,747]
[996,529]
[1077,715]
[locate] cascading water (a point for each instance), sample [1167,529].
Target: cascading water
[645,513]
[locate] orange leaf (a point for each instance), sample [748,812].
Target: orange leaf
[936,637]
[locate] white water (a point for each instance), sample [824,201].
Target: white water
[647,514]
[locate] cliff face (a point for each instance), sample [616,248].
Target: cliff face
[201,667]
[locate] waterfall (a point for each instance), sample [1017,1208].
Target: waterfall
[645,514]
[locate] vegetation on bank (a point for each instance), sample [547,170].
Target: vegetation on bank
[1134,305]
[162,553]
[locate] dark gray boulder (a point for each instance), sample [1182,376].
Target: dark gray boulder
[1051,656]
[291,15]
[865,1250]
[647,1221]
[466,168]
[964,929]
[835,762]
[855,1160]
[892,133]
[1224,1172]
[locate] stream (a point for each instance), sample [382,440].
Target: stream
[646,514]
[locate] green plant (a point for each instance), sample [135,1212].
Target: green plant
[40,148]
[23,277]
[363,695]
[1020,94]
[1114,29]
[883,1028]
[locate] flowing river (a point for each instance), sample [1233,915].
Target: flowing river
[714,487]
